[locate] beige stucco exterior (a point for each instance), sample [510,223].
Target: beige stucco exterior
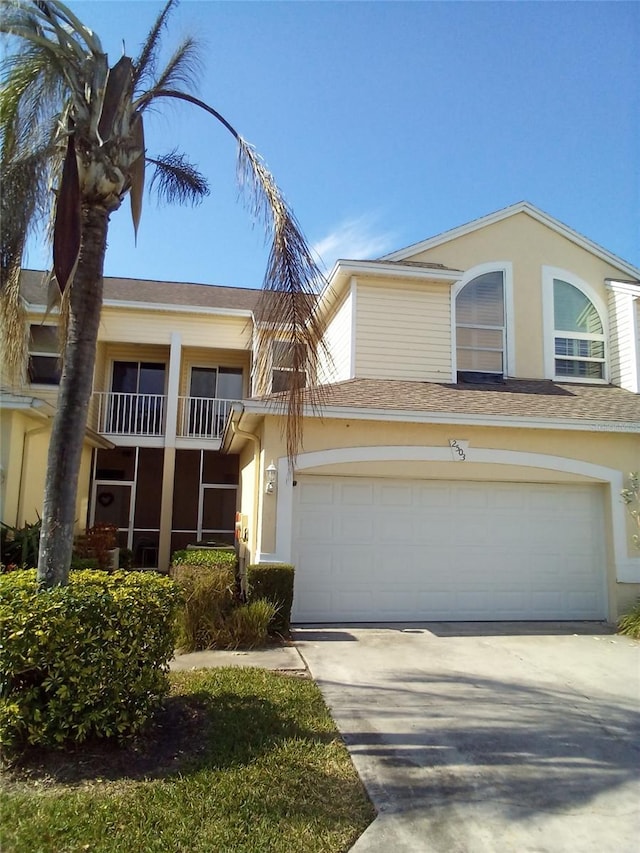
[591,456]
[527,245]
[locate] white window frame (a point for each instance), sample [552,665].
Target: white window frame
[40,354]
[274,367]
[549,275]
[509,353]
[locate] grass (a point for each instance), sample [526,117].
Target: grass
[239,760]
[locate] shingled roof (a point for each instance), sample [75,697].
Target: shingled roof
[183,294]
[521,398]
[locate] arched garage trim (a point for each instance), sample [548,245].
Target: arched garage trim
[626,569]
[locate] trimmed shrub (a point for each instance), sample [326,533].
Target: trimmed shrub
[208,583]
[629,624]
[247,626]
[81,563]
[273,581]
[83,660]
[210,557]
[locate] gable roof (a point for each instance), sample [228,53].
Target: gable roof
[505,213]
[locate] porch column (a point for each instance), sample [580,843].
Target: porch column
[171,423]
[166,508]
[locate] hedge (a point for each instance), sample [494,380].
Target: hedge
[273,581]
[82,660]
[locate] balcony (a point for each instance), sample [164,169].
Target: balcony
[202,417]
[121,414]
[130,414]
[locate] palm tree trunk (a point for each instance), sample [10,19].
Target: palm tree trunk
[67,435]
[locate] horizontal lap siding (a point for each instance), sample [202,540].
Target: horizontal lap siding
[403,331]
[155,327]
[338,341]
[200,357]
[623,342]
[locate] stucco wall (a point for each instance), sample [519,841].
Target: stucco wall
[528,245]
[619,452]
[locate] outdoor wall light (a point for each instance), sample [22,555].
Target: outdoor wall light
[271,477]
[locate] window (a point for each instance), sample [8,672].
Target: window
[44,356]
[480,327]
[288,363]
[210,389]
[137,398]
[578,334]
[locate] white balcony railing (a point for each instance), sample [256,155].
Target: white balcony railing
[130,414]
[202,417]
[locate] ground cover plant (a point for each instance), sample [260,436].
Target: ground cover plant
[213,614]
[239,759]
[629,624]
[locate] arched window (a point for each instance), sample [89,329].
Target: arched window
[579,348]
[480,327]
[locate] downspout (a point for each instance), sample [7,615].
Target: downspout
[256,464]
[25,444]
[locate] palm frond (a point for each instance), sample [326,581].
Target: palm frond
[179,73]
[145,64]
[288,309]
[177,180]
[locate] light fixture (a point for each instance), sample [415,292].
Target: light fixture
[271,477]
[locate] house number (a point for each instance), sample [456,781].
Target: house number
[458,450]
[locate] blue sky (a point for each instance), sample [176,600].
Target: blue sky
[388,122]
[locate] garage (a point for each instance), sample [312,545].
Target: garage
[374,549]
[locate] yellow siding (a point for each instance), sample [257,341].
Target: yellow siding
[201,357]
[403,331]
[338,342]
[155,327]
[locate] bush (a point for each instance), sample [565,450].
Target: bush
[247,626]
[97,542]
[206,557]
[87,659]
[208,583]
[20,545]
[629,624]
[81,563]
[273,581]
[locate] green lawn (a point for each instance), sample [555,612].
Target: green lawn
[241,760]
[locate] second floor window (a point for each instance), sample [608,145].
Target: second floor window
[44,355]
[480,327]
[287,369]
[578,333]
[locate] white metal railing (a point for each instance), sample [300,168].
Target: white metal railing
[130,414]
[202,417]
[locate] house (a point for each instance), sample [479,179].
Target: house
[480,414]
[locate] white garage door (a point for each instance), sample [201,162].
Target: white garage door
[399,550]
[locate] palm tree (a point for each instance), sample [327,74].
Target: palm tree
[71,123]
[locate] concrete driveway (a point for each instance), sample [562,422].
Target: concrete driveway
[488,737]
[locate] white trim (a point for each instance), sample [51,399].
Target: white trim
[36,308]
[392,270]
[353,287]
[505,213]
[506,268]
[549,274]
[627,569]
[626,287]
